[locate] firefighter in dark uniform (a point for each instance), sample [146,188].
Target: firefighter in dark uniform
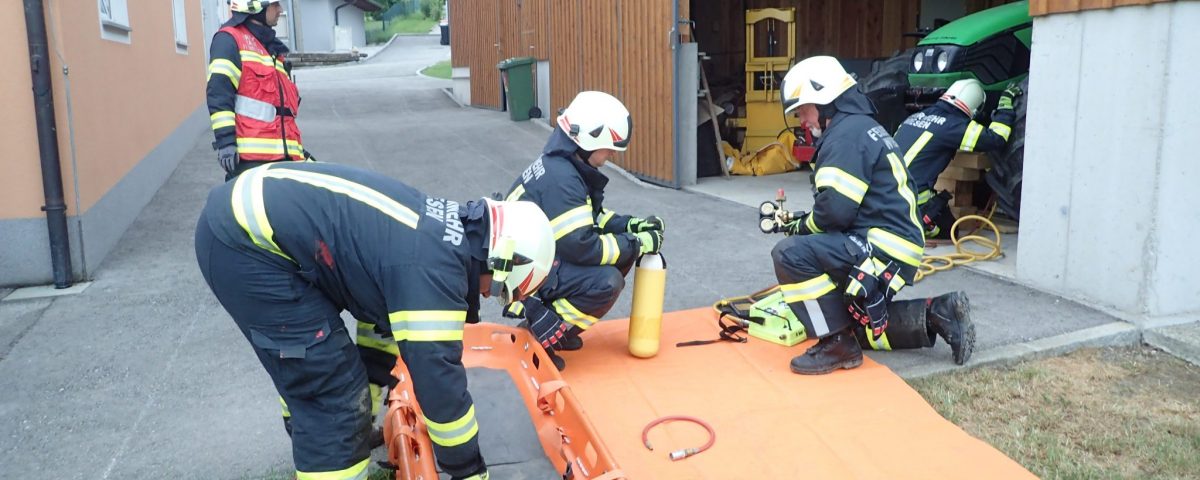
[596,247]
[930,138]
[862,242]
[287,246]
[252,101]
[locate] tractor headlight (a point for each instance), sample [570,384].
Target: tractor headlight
[943,61]
[918,61]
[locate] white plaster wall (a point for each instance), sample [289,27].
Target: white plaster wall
[317,21]
[1101,218]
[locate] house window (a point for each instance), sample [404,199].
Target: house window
[114,20]
[180,15]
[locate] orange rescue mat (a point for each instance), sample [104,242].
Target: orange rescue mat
[567,436]
[860,423]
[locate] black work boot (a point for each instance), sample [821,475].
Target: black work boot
[570,340]
[950,317]
[839,350]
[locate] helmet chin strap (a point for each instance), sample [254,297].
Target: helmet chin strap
[584,154]
[500,262]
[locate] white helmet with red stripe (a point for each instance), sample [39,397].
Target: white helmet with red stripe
[596,120]
[249,6]
[966,95]
[520,249]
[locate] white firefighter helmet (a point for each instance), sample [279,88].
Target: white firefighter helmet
[596,120]
[815,80]
[966,94]
[520,249]
[249,6]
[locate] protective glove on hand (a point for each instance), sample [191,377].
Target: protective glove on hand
[639,225]
[547,328]
[227,156]
[797,225]
[651,241]
[1006,98]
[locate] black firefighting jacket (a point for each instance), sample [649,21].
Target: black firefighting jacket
[571,193]
[930,138]
[382,250]
[862,184]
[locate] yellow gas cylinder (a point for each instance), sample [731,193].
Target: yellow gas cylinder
[649,288]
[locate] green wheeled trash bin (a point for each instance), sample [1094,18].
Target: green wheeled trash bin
[517,77]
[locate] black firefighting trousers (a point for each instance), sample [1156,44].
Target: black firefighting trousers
[302,343]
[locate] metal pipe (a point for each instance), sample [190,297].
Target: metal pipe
[678,140]
[43,103]
[339,7]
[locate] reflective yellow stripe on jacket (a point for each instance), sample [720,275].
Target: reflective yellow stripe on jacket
[255,57]
[454,433]
[369,338]
[916,147]
[1001,129]
[900,173]
[807,290]
[844,183]
[971,137]
[268,146]
[222,119]
[222,66]
[571,220]
[251,214]
[428,325]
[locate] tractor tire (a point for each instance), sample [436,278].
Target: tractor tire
[886,86]
[1004,178]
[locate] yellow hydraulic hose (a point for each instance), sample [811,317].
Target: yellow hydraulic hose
[990,247]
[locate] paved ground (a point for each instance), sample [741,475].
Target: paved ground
[143,375]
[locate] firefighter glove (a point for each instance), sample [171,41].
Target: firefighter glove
[651,241]
[228,158]
[1006,98]
[796,226]
[548,328]
[638,225]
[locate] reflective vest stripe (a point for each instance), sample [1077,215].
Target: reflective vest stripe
[605,216]
[516,194]
[895,246]
[901,175]
[428,325]
[807,290]
[256,109]
[610,250]
[250,213]
[1001,129]
[369,338]
[357,191]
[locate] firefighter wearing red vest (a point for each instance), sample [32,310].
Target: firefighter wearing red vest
[252,101]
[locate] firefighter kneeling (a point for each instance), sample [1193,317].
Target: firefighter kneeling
[841,264]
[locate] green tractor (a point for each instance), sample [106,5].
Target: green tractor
[992,46]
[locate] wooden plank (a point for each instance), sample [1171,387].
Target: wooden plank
[959,173]
[975,160]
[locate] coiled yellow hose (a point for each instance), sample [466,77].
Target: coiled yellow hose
[991,247]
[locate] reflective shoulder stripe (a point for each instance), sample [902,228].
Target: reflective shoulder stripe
[1001,129]
[610,250]
[222,66]
[256,109]
[369,338]
[572,315]
[971,137]
[516,194]
[901,175]
[455,433]
[222,119]
[881,344]
[362,193]
[255,57]
[895,246]
[264,146]
[428,325]
[807,290]
[916,147]
[571,220]
[357,472]
[250,212]
[605,216]
[848,185]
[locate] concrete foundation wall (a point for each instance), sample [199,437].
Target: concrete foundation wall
[1107,206]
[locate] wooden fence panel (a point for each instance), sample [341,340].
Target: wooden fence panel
[474,44]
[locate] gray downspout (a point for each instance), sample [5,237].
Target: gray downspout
[43,103]
[677,138]
[339,7]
